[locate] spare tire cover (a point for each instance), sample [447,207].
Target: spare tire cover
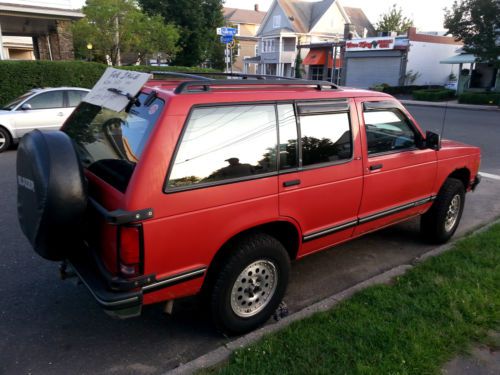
[51,192]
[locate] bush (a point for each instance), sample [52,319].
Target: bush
[433,95]
[479,98]
[395,90]
[17,77]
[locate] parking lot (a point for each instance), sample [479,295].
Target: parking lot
[48,326]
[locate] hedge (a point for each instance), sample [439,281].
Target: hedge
[479,98]
[17,77]
[433,95]
[395,90]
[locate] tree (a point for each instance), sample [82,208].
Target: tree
[394,20]
[477,24]
[197,21]
[114,26]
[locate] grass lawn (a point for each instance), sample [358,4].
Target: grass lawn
[413,326]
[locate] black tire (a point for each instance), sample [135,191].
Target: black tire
[51,193]
[6,139]
[251,251]
[436,224]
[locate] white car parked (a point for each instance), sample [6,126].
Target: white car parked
[43,109]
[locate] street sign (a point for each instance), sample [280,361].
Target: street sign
[226,31]
[226,39]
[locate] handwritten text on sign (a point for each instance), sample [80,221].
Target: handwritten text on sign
[123,80]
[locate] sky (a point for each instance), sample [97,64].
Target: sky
[428,15]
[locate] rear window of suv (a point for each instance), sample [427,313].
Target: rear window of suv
[110,143]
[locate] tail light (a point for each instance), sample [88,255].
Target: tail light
[129,250]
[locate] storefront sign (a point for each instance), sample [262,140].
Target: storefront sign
[368,44]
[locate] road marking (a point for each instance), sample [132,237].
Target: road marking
[489,175]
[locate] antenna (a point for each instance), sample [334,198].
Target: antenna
[442,125]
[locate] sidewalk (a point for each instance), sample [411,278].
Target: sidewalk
[451,104]
[481,360]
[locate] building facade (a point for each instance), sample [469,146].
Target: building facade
[398,60]
[47,23]
[292,23]
[247,22]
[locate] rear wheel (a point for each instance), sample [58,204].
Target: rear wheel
[441,221]
[5,139]
[250,285]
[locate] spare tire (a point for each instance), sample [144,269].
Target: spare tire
[51,192]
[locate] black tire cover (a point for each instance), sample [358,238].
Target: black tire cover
[51,193]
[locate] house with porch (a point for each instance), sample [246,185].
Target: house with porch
[313,25]
[45,25]
[474,74]
[247,22]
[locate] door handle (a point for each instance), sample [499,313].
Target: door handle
[375,167]
[60,114]
[291,183]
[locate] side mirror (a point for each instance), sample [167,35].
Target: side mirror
[432,140]
[26,107]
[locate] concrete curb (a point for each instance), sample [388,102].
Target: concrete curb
[223,353]
[452,105]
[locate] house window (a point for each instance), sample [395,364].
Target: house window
[276,22]
[237,49]
[316,72]
[238,29]
[257,49]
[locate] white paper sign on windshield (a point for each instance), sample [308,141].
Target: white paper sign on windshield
[121,82]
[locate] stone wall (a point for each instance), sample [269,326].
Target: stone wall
[60,40]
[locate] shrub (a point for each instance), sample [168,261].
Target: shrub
[395,90]
[479,98]
[17,77]
[433,95]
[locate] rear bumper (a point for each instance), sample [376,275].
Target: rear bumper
[120,304]
[119,297]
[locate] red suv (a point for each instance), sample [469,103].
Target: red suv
[213,186]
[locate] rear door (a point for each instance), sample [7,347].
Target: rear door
[398,175]
[320,177]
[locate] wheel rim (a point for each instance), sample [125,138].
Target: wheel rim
[2,140]
[452,213]
[254,288]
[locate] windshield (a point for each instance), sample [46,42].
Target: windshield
[111,143]
[11,105]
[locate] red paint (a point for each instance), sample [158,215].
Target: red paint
[190,227]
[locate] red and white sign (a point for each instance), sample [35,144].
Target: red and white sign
[368,44]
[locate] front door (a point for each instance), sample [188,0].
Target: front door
[398,175]
[47,113]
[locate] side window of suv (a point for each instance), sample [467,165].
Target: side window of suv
[388,131]
[226,143]
[325,133]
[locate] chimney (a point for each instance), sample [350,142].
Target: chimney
[348,31]
[256,7]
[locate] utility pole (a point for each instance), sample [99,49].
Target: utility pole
[117,41]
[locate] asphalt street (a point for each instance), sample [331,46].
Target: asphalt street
[48,326]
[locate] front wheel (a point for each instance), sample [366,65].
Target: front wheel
[250,285]
[441,221]
[5,139]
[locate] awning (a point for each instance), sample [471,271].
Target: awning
[317,56]
[463,58]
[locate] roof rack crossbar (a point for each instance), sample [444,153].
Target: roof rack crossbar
[205,85]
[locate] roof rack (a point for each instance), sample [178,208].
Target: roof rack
[205,85]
